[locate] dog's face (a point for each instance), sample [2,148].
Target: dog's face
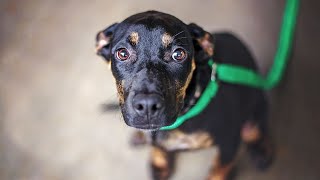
[152,57]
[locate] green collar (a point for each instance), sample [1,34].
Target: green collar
[244,76]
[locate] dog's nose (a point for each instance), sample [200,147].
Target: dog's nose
[148,104]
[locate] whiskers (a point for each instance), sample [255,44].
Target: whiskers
[184,37]
[174,38]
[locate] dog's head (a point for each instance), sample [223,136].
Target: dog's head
[153,56]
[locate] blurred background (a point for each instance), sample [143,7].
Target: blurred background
[52,88]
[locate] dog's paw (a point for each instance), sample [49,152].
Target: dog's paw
[138,138]
[160,174]
[262,155]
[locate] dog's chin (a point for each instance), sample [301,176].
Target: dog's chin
[146,126]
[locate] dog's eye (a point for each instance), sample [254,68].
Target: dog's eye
[179,54]
[122,54]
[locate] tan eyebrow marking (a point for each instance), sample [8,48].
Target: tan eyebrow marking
[166,39]
[134,38]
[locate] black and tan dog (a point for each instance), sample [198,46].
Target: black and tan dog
[160,67]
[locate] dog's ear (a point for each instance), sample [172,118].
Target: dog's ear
[103,40]
[203,43]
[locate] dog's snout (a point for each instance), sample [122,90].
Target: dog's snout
[148,104]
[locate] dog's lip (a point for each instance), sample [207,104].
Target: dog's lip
[147,126]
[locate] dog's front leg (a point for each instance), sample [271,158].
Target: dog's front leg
[223,163]
[220,171]
[162,163]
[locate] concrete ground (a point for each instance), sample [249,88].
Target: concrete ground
[52,88]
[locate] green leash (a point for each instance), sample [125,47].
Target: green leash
[244,76]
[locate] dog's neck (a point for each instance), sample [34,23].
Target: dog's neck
[200,79]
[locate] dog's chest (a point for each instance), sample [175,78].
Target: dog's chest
[178,140]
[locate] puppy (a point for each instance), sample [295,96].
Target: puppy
[160,65]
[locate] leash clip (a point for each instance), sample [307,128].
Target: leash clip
[213,72]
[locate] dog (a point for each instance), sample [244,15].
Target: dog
[160,66]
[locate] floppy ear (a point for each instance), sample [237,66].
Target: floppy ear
[203,43]
[103,40]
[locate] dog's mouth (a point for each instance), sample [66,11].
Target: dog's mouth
[149,111]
